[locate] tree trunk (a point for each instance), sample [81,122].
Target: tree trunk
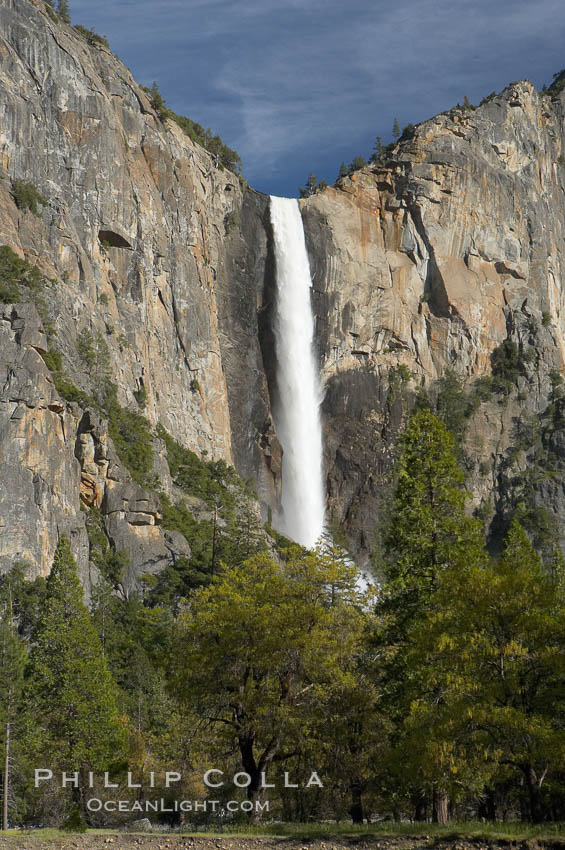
[356,808]
[534,794]
[6,782]
[420,806]
[440,808]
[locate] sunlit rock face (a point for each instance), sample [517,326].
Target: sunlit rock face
[427,259]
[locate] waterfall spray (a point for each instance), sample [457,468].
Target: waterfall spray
[297,409]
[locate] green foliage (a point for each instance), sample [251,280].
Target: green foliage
[493,649]
[194,385]
[408,133]
[558,83]
[312,186]
[112,564]
[19,280]
[455,405]
[63,385]
[505,361]
[69,687]
[132,437]
[488,98]
[546,319]
[158,103]
[395,130]
[428,529]
[91,37]
[398,378]
[74,821]
[357,163]
[224,156]
[209,480]
[27,196]
[262,646]
[140,396]
[94,353]
[12,662]
[63,10]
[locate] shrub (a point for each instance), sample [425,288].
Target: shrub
[140,396]
[66,389]
[505,361]
[74,821]
[21,281]
[208,480]
[27,196]
[455,405]
[94,353]
[92,37]
[131,436]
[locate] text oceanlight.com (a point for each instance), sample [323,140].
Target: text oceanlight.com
[146,806]
[213,778]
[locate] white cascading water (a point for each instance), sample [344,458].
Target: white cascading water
[297,413]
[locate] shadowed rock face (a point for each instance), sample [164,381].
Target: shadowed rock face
[428,259]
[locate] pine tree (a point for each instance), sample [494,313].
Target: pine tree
[63,10]
[70,691]
[429,534]
[343,170]
[395,130]
[12,660]
[490,657]
[378,148]
[429,529]
[310,188]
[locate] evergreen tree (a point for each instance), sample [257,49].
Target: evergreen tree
[343,170]
[158,103]
[378,148]
[395,130]
[12,660]
[310,188]
[428,529]
[357,163]
[429,533]
[69,689]
[492,700]
[63,10]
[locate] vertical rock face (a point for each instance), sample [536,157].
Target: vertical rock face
[424,262]
[429,259]
[148,246]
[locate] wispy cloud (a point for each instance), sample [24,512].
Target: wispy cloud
[299,85]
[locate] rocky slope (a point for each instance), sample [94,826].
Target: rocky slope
[158,274]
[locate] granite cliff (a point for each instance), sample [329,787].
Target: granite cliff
[157,271]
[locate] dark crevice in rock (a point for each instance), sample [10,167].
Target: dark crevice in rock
[113,239]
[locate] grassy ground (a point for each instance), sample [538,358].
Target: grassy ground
[471,831]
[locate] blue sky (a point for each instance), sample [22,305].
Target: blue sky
[302,85]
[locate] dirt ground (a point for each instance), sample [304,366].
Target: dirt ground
[118,841]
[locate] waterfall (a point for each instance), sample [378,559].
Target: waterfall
[297,407]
